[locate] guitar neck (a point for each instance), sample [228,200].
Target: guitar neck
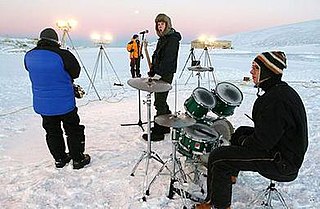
[145,44]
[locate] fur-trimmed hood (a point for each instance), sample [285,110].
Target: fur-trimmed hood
[163,18]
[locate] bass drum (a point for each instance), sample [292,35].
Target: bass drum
[225,129]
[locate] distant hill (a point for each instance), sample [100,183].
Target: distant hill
[290,36]
[13,45]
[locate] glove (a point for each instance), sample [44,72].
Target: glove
[240,135]
[141,56]
[131,50]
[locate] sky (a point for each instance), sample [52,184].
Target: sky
[123,18]
[29,179]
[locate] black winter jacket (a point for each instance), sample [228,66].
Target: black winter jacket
[164,58]
[280,126]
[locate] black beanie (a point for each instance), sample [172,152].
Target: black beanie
[49,34]
[135,36]
[271,63]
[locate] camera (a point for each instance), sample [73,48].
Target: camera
[78,91]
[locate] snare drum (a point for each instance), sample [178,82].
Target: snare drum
[199,103]
[228,97]
[225,129]
[197,139]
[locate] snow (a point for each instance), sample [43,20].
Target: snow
[30,180]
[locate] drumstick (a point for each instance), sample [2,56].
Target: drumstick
[248,117]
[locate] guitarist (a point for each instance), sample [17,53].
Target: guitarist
[164,63]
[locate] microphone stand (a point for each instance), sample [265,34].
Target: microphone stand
[139,123]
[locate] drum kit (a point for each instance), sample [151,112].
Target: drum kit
[194,133]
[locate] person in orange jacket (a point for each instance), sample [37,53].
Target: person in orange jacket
[134,49]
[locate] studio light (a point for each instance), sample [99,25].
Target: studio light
[65,26]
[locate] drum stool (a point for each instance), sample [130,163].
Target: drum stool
[266,196]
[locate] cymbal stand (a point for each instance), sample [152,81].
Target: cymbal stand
[149,154]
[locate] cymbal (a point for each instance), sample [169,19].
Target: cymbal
[200,69]
[149,85]
[175,121]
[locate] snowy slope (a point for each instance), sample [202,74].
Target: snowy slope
[305,34]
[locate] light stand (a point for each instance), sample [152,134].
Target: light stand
[65,27]
[102,55]
[139,123]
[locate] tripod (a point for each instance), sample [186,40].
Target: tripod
[149,154]
[194,62]
[207,67]
[63,44]
[100,60]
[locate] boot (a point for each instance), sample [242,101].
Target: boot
[80,164]
[157,133]
[60,163]
[205,205]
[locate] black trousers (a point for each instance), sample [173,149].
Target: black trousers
[160,98]
[227,161]
[74,134]
[135,67]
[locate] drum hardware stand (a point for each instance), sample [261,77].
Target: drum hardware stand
[270,191]
[149,154]
[65,31]
[103,54]
[139,123]
[197,173]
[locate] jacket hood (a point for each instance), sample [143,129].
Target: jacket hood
[167,20]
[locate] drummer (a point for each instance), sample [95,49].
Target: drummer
[164,63]
[274,147]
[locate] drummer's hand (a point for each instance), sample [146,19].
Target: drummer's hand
[240,135]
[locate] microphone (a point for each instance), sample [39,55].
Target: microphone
[143,32]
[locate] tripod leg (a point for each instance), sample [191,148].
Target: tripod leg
[112,67]
[84,68]
[280,197]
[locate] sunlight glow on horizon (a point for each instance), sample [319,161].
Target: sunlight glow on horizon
[123,18]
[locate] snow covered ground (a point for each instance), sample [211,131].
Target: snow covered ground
[30,180]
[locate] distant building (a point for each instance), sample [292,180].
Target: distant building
[218,44]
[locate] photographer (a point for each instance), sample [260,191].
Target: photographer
[51,71]
[133,47]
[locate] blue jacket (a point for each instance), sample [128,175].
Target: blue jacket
[51,71]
